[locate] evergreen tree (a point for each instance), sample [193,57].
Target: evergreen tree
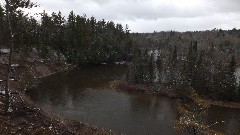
[230,80]
[138,68]
[22,31]
[82,40]
[174,58]
[46,41]
[2,28]
[57,32]
[189,67]
[202,77]
[159,63]
[34,29]
[238,91]
[195,46]
[71,39]
[11,10]
[151,68]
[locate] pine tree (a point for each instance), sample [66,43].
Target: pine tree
[57,32]
[159,63]
[11,9]
[46,41]
[238,91]
[189,66]
[2,28]
[34,32]
[174,58]
[202,77]
[22,31]
[151,69]
[138,68]
[195,46]
[70,38]
[231,80]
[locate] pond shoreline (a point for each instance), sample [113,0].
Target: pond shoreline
[29,118]
[42,121]
[163,91]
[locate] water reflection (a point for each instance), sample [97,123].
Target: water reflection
[84,95]
[229,119]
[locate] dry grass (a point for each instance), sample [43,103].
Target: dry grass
[124,86]
[165,90]
[143,89]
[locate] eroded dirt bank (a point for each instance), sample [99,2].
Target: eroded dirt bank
[26,117]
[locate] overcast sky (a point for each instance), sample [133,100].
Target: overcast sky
[150,15]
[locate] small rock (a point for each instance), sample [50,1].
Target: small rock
[15,65]
[50,128]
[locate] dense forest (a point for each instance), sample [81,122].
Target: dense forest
[207,61]
[195,65]
[204,60]
[33,47]
[78,39]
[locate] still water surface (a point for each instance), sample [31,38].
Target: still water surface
[84,95]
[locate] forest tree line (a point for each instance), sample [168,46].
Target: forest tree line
[80,40]
[209,69]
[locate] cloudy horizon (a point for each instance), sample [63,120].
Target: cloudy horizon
[153,15]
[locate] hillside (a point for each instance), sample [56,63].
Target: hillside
[25,117]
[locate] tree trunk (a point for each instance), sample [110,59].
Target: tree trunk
[7,93]
[194,131]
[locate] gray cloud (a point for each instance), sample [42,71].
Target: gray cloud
[224,5]
[150,15]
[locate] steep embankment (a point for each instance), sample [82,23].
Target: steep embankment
[26,117]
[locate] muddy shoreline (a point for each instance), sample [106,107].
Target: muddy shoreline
[163,91]
[27,117]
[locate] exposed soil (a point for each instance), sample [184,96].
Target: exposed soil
[26,118]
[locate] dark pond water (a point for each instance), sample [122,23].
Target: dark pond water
[84,95]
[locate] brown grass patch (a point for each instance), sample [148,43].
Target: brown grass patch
[125,86]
